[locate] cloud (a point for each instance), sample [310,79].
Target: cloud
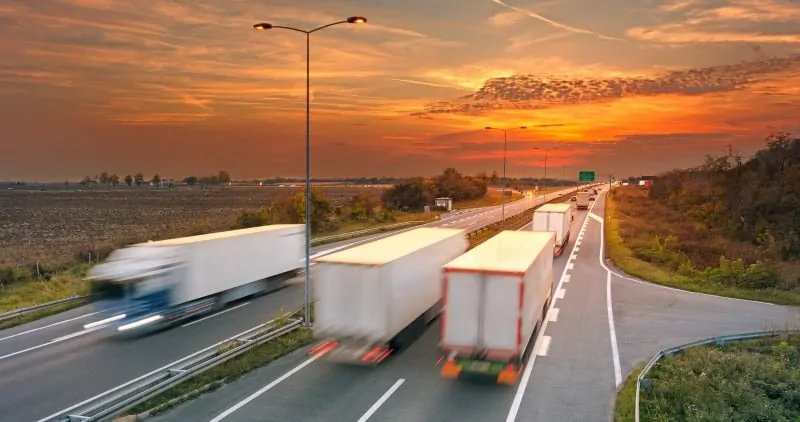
[524,41]
[535,92]
[735,21]
[554,23]
[505,18]
[409,81]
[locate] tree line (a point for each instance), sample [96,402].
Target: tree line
[138,179]
[416,193]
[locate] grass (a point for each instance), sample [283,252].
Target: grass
[750,380]
[227,372]
[354,226]
[36,291]
[625,404]
[492,197]
[648,240]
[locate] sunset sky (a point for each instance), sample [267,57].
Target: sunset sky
[186,87]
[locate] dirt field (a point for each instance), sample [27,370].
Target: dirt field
[51,226]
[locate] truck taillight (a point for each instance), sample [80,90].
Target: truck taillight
[322,348]
[376,355]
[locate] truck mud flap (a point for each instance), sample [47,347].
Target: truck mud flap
[481,371]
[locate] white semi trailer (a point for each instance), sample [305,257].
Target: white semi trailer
[379,297]
[149,285]
[495,298]
[555,218]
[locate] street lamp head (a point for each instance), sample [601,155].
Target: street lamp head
[356,19]
[262,26]
[488,128]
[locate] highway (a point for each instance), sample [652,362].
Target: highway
[600,326]
[51,364]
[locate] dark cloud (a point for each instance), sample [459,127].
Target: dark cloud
[534,92]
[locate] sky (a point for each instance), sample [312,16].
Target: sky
[188,87]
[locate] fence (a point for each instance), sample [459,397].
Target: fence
[19,313]
[642,382]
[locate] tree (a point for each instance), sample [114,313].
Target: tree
[139,179]
[113,180]
[129,180]
[191,180]
[321,210]
[86,180]
[156,181]
[494,177]
[103,178]
[223,177]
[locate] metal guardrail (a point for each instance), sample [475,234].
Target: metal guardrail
[18,313]
[365,231]
[642,382]
[112,403]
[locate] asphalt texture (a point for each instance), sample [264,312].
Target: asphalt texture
[51,364]
[590,342]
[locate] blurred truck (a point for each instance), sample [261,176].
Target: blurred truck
[147,286]
[495,298]
[379,297]
[582,202]
[555,218]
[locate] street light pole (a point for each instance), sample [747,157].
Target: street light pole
[263,27]
[505,180]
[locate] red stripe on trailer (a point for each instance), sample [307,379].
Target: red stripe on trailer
[443,325]
[519,317]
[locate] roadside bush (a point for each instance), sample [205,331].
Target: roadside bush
[416,193]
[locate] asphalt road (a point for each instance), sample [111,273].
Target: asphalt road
[599,327]
[51,364]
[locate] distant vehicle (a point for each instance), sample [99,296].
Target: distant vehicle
[554,218]
[591,198]
[495,299]
[582,202]
[151,285]
[573,199]
[379,297]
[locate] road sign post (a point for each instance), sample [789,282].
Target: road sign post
[586,176]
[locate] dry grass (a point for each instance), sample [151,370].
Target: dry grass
[52,226]
[654,242]
[493,197]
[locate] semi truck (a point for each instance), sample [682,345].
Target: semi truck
[379,297]
[555,218]
[582,201]
[495,298]
[148,286]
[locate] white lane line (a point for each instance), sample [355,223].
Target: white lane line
[264,389]
[526,376]
[613,332]
[214,315]
[49,343]
[47,326]
[577,248]
[554,315]
[377,405]
[544,347]
[560,294]
[567,277]
[571,265]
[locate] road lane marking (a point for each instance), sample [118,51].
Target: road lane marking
[49,343]
[377,405]
[560,294]
[526,375]
[567,277]
[544,347]
[214,315]
[48,326]
[77,334]
[570,266]
[264,389]
[553,315]
[612,332]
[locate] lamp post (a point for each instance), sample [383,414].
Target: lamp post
[264,27]
[505,181]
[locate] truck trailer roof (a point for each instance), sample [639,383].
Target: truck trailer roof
[554,208]
[507,252]
[219,235]
[391,248]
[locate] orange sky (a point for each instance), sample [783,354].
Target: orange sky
[184,87]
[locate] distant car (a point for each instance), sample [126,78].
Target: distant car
[594,191]
[573,199]
[591,198]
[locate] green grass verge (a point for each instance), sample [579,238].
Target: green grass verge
[625,404]
[623,257]
[750,380]
[226,372]
[376,230]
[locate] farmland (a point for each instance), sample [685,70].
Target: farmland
[52,227]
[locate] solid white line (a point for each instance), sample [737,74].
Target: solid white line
[613,332]
[48,326]
[377,405]
[264,389]
[49,343]
[545,346]
[553,315]
[560,294]
[214,315]
[526,375]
